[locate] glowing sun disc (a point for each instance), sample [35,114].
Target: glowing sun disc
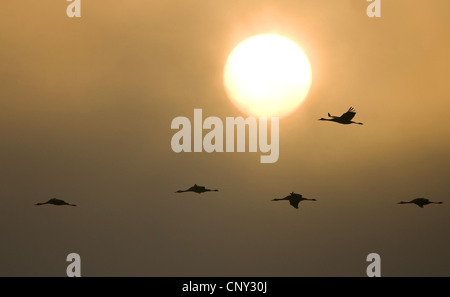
[267,75]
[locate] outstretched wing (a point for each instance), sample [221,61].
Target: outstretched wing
[349,115]
[294,202]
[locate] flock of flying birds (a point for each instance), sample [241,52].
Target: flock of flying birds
[293,198]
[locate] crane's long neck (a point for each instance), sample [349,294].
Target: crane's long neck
[278,199]
[39,204]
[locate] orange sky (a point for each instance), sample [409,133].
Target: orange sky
[85,112]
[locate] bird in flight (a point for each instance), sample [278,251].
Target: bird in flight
[55,201]
[197,189]
[294,199]
[420,202]
[345,118]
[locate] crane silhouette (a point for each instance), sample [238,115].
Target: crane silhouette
[197,189]
[420,202]
[345,118]
[55,201]
[294,199]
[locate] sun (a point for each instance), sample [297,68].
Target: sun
[267,75]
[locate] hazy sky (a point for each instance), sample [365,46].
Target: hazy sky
[85,112]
